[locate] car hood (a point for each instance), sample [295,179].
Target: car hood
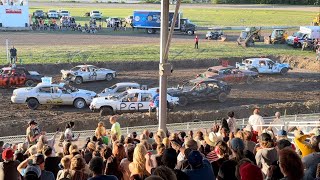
[83,91]
[22,90]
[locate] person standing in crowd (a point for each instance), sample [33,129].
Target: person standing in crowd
[100,131]
[13,55]
[267,154]
[305,147]
[8,168]
[115,128]
[96,166]
[68,134]
[232,123]
[155,100]
[33,133]
[290,165]
[256,121]
[196,42]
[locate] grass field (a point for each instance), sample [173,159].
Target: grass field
[208,16]
[150,52]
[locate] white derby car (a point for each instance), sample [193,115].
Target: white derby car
[132,100]
[84,73]
[118,88]
[52,94]
[264,66]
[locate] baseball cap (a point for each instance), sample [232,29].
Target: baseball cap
[33,169]
[32,122]
[195,159]
[282,133]
[7,154]
[248,128]
[6,146]
[38,159]
[237,144]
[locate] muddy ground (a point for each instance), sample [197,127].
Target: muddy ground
[282,92]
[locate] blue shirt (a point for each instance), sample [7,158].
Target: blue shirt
[204,173]
[104,177]
[156,100]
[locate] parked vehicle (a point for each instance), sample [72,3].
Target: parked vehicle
[18,77]
[96,14]
[249,36]
[52,94]
[215,35]
[150,20]
[118,88]
[132,100]
[230,74]
[264,66]
[63,13]
[305,33]
[84,73]
[201,89]
[39,14]
[278,36]
[53,14]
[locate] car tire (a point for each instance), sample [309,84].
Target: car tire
[190,32]
[79,103]
[78,80]
[109,77]
[29,83]
[222,97]
[250,80]
[284,71]
[183,101]
[33,103]
[105,111]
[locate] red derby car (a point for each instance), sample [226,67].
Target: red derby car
[18,77]
[230,74]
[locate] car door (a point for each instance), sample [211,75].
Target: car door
[144,104]
[127,105]
[263,67]
[238,75]
[101,75]
[44,95]
[226,75]
[56,96]
[92,74]
[272,67]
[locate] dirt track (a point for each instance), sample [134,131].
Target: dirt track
[297,86]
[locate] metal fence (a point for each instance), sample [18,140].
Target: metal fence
[304,121]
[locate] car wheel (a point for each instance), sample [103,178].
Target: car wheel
[190,32]
[222,97]
[78,80]
[183,101]
[33,103]
[29,83]
[109,77]
[105,111]
[79,103]
[250,80]
[284,71]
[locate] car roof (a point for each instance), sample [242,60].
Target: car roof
[200,80]
[255,59]
[85,66]
[138,91]
[221,67]
[127,83]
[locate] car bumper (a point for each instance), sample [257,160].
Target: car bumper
[17,100]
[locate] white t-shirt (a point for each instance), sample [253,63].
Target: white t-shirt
[232,124]
[255,120]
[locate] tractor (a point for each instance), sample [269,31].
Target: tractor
[278,36]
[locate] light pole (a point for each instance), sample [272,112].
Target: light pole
[163,80]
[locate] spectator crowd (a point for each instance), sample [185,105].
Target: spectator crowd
[223,152]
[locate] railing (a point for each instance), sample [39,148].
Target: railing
[305,121]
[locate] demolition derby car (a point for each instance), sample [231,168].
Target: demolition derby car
[18,76]
[84,73]
[52,94]
[132,100]
[118,88]
[264,66]
[229,74]
[201,89]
